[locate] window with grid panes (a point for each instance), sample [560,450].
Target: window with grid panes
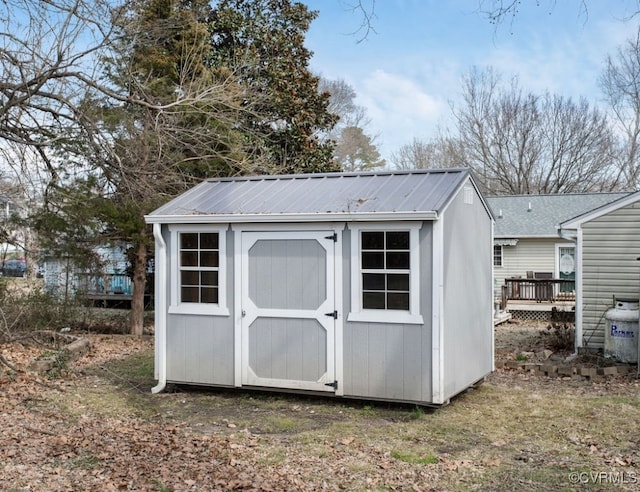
[385,269]
[497,255]
[199,267]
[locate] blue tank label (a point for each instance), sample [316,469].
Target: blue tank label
[615,332]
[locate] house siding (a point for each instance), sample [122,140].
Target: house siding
[609,268]
[529,254]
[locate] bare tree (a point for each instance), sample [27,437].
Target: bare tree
[521,142]
[342,103]
[48,54]
[620,83]
[92,170]
[440,152]
[501,11]
[355,149]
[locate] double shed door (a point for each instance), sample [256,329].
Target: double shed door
[288,309]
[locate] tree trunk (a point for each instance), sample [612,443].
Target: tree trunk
[139,283]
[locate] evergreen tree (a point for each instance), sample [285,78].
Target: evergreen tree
[262,43]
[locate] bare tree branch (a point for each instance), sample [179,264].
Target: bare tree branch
[521,143]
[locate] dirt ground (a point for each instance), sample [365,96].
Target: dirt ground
[92,424]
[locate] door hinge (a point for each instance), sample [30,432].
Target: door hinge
[334,385]
[333,237]
[334,314]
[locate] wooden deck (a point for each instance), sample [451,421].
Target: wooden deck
[538,295]
[519,305]
[111,290]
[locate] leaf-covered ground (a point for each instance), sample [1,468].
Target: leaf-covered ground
[93,425]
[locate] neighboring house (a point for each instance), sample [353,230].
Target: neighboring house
[12,239]
[63,278]
[361,285]
[526,240]
[608,247]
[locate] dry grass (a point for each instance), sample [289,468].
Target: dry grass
[514,432]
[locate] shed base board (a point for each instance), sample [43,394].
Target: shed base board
[264,389]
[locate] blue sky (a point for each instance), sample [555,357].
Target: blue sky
[408,73]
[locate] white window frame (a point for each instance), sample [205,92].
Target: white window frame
[177,307]
[357,313]
[501,255]
[558,247]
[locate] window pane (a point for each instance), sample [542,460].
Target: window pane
[208,258]
[189,294]
[373,240]
[209,240]
[373,300]
[189,278]
[209,295]
[398,282]
[398,240]
[398,260]
[189,258]
[373,281]
[210,278]
[189,240]
[372,260]
[397,301]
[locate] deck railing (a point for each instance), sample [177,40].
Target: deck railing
[539,289]
[110,283]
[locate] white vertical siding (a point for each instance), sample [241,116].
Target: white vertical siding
[609,267]
[467,344]
[390,361]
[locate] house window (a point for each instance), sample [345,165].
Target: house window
[198,267]
[497,256]
[385,273]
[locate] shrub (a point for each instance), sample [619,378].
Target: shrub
[26,308]
[560,337]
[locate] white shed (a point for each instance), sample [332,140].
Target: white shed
[358,285]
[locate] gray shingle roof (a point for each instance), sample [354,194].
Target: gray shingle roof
[317,194]
[514,219]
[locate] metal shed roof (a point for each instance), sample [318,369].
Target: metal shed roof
[514,218]
[420,194]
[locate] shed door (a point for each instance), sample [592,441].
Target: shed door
[287,309]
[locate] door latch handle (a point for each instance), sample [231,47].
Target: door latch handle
[244,313]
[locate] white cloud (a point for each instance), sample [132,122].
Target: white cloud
[399,108]
[566,64]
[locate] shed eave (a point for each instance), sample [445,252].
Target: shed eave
[297,217]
